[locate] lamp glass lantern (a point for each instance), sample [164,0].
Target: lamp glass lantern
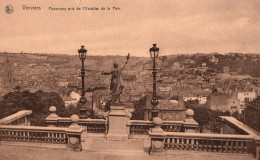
[82,53]
[154,52]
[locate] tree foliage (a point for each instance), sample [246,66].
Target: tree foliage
[39,102]
[205,116]
[138,113]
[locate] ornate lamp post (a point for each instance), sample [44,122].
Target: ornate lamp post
[82,108]
[154,53]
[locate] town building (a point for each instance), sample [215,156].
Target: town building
[200,95]
[214,59]
[226,70]
[167,110]
[242,96]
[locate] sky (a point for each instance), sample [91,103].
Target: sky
[176,26]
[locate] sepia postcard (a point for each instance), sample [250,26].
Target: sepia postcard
[129,79]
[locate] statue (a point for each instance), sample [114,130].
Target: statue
[116,85]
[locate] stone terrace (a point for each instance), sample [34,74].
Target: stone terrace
[32,153]
[118,137]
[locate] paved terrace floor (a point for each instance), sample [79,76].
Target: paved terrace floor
[99,149]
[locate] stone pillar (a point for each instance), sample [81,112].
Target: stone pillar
[157,138]
[117,124]
[27,120]
[74,134]
[257,146]
[52,119]
[128,115]
[190,125]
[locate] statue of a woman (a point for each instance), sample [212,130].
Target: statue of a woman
[116,84]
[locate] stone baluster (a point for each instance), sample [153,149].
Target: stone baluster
[196,144]
[167,143]
[185,144]
[52,119]
[178,143]
[157,143]
[190,125]
[171,143]
[74,134]
[220,146]
[191,144]
[182,144]
[235,147]
[214,146]
[245,147]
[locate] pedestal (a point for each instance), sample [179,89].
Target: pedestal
[117,124]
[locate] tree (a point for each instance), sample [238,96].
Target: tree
[39,102]
[191,104]
[17,88]
[138,113]
[202,115]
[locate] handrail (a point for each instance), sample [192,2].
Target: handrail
[203,136]
[61,119]
[15,116]
[32,128]
[142,122]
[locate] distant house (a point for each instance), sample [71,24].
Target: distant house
[214,60]
[63,83]
[218,101]
[165,91]
[167,110]
[204,64]
[257,82]
[100,98]
[234,104]
[69,101]
[200,95]
[176,65]
[224,102]
[226,70]
[191,61]
[73,85]
[72,99]
[241,96]
[129,78]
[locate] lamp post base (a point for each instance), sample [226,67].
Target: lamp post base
[82,107]
[82,113]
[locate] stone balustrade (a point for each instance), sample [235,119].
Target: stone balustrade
[33,134]
[208,142]
[50,135]
[221,143]
[94,125]
[21,118]
[90,125]
[172,126]
[139,127]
